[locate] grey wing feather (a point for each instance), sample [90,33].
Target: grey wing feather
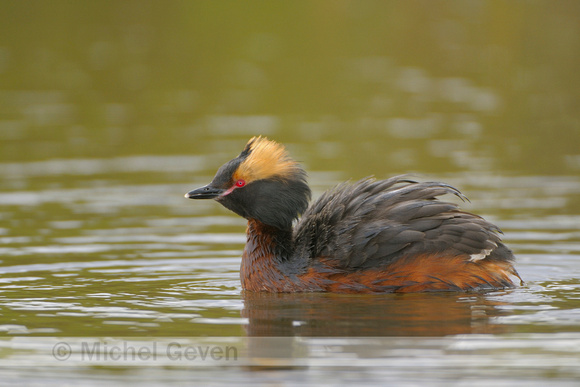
[371,223]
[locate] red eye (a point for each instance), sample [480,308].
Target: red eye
[240,183]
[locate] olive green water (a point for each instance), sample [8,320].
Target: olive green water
[111,111]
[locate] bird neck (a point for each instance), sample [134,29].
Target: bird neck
[266,256]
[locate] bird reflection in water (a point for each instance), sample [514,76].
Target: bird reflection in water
[324,314]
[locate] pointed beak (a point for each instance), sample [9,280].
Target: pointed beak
[207,192]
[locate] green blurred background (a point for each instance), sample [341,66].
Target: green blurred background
[362,87]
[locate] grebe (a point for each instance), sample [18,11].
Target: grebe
[373,236]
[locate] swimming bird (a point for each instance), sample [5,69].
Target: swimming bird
[371,236]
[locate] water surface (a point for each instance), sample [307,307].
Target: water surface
[104,125]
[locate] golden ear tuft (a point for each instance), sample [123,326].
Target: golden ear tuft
[266,159]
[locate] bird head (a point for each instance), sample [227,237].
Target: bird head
[262,183]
